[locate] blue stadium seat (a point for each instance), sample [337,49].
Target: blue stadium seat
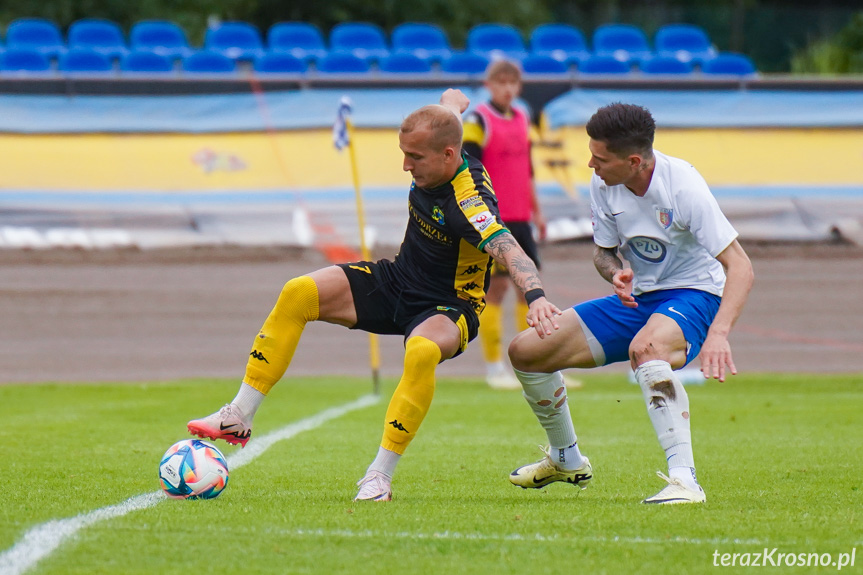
[496,41]
[729,64]
[543,64]
[465,63]
[685,42]
[236,40]
[299,39]
[85,61]
[280,63]
[342,63]
[100,35]
[35,34]
[427,41]
[665,65]
[24,61]
[146,62]
[606,64]
[208,62]
[560,41]
[162,37]
[362,39]
[625,42]
[404,63]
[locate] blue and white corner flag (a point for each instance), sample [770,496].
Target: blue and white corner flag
[340,128]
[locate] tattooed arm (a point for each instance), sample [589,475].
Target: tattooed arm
[506,251]
[610,267]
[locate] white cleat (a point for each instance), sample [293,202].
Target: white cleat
[375,486]
[544,471]
[228,423]
[676,492]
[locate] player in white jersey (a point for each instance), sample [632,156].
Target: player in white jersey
[687,282]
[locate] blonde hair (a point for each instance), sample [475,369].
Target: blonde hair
[503,68]
[443,125]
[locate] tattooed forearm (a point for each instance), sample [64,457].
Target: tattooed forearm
[506,251]
[606,262]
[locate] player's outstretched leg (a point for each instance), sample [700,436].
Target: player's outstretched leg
[546,395]
[271,354]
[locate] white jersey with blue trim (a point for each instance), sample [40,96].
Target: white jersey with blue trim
[671,235]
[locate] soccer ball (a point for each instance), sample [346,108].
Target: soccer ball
[193,469]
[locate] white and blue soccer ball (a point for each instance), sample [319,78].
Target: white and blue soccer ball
[193,469]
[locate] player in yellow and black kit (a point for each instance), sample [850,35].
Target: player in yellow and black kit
[432,293]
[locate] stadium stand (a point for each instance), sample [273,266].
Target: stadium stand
[465,63]
[24,61]
[160,37]
[685,42]
[496,41]
[543,64]
[208,62]
[624,42]
[426,41]
[280,63]
[404,63]
[239,41]
[666,65]
[729,64]
[603,64]
[299,39]
[362,39]
[85,61]
[146,62]
[98,34]
[560,41]
[343,63]
[36,34]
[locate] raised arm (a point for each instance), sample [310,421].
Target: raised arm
[541,312]
[455,100]
[716,351]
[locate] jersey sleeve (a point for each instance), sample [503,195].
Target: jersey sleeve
[703,216]
[473,212]
[605,233]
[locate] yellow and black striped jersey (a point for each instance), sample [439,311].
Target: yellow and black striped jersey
[448,227]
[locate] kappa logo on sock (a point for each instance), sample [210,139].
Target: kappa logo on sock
[395,423]
[259,356]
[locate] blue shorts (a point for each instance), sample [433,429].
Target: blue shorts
[614,326]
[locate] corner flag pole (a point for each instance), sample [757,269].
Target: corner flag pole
[344,138]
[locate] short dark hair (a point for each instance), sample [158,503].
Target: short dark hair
[624,129]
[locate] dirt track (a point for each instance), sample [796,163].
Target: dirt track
[131,315]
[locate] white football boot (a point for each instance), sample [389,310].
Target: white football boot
[544,471]
[228,423]
[676,492]
[375,486]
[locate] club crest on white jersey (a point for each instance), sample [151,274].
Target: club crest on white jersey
[665,216]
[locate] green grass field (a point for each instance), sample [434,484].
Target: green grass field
[779,458]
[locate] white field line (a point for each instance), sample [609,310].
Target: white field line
[530,538]
[41,540]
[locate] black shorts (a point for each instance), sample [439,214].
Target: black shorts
[523,234]
[386,306]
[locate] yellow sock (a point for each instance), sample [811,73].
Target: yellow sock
[491,332]
[521,315]
[413,396]
[276,342]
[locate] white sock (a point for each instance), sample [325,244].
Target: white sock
[248,400]
[668,408]
[385,462]
[686,475]
[546,395]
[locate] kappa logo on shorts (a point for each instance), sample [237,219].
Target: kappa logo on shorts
[470,270]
